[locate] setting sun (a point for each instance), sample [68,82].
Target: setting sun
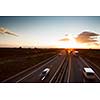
[71,43]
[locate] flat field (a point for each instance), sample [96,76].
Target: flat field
[91,54]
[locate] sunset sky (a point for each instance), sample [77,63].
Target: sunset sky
[61,32]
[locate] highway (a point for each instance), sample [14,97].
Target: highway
[64,68]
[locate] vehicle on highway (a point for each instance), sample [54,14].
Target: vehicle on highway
[44,73]
[75,53]
[60,54]
[88,73]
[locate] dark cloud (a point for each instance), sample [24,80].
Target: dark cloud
[6,31]
[64,39]
[87,37]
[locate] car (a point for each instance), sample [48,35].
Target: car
[76,53]
[88,73]
[44,73]
[60,54]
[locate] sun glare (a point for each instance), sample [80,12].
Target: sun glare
[72,43]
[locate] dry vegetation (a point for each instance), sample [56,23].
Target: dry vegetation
[91,54]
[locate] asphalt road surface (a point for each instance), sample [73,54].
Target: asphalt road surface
[64,68]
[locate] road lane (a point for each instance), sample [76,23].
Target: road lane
[34,76]
[31,73]
[57,75]
[75,74]
[87,64]
[69,68]
[76,64]
[63,78]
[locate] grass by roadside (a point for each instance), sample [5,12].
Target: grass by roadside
[92,55]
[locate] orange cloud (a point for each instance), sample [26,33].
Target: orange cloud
[87,37]
[64,39]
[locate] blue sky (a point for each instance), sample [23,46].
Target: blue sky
[45,31]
